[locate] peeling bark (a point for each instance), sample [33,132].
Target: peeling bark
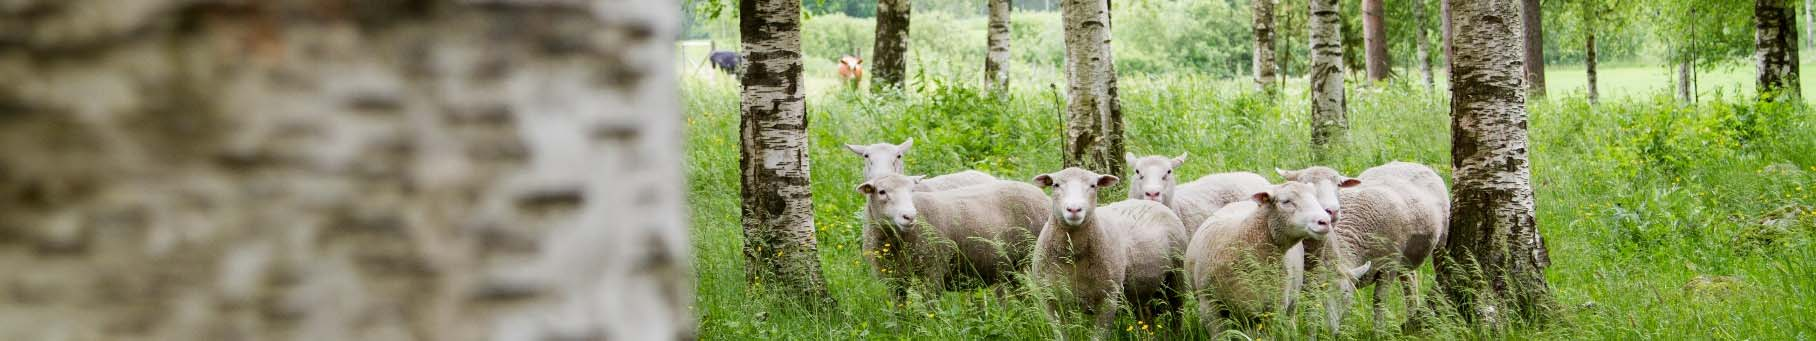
[1328,103]
[1493,262]
[1094,128]
[780,250]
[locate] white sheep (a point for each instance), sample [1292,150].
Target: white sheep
[1395,216]
[940,239]
[1193,202]
[883,159]
[1250,251]
[1100,257]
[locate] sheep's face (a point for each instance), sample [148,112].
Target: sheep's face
[1326,181]
[890,198]
[882,158]
[1296,209]
[1153,178]
[1074,193]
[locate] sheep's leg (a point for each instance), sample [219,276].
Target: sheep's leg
[1053,318]
[1208,317]
[1105,315]
[1415,304]
[1382,280]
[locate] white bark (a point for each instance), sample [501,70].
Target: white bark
[996,60]
[1494,260]
[780,250]
[1265,66]
[1328,101]
[1424,46]
[1093,115]
[247,170]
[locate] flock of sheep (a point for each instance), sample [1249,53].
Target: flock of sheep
[1241,245]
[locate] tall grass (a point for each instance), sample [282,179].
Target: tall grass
[1662,221]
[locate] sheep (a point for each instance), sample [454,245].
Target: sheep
[1100,257]
[883,159]
[1396,215]
[942,239]
[1250,248]
[1193,201]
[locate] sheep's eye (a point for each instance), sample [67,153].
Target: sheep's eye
[898,156]
[882,192]
[1169,172]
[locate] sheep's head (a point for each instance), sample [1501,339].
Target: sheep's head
[1327,181]
[1294,211]
[1074,193]
[891,198]
[1153,179]
[882,158]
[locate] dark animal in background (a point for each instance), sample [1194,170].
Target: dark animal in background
[725,61]
[851,70]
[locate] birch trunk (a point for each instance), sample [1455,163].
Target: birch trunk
[1775,49]
[891,51]
[1424,47]
[1532,19]
[181,170]
[1492,266]
[1374,41]
[1589,59]
[1265,66]
[780,252]
[996,60]
[1686,82]
[1444,33]
[1093,115]
[1809,22]
[1327,110]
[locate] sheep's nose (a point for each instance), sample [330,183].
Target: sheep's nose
[1153,194]
[1324,223]
[908,218]
[1074,209]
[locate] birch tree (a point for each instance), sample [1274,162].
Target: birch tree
[780,250]
[1493,264]
[1093,114]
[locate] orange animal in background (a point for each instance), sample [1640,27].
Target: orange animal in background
[851,69]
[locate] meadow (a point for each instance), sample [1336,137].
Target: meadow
[1663,220]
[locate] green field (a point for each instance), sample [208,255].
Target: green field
[1662,221]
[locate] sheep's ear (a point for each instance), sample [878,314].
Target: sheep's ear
[1128,158]
[867,188]
[1107,180]
[1355,274]
[904,146]
[1261,197]
[1179,160]
[1349,182]
[917,179]
[855,149]
[1044,180]
[1288,175]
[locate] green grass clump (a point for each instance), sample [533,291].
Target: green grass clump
[1663,221]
